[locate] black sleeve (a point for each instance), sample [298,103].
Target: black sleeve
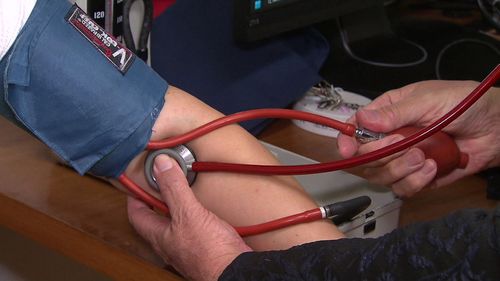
[462,246]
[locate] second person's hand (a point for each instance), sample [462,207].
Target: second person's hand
[476,133]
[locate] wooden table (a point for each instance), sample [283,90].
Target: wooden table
[85,218]
[81,217]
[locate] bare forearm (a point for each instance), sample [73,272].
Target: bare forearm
[238,199]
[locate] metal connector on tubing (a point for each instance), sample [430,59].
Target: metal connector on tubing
[347,209]
[365,136]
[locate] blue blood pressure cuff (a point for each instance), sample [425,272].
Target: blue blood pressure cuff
[79,91]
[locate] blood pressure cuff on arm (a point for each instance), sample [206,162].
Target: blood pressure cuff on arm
[85,96]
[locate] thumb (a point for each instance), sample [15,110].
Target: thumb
[388,118]
[174,189]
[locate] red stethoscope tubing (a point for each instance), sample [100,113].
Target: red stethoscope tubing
[243,231]
[347,129]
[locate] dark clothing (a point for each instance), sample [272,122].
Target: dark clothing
[193,47]
[462,246]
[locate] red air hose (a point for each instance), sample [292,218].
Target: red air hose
[409,141]
[347,129]
[307,216]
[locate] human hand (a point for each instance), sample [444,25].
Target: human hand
[193,240]
[476,132]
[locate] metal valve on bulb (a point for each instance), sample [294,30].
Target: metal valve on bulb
[440,147]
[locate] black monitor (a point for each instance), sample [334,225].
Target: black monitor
[363,29]
[359,32]
[260,19]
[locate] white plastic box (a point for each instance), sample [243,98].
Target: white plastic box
[381,217]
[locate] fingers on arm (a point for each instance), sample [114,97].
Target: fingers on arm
[174,191]
[145,221]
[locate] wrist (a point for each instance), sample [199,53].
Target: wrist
[226,260]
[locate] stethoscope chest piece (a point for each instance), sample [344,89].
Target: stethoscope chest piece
[182,154]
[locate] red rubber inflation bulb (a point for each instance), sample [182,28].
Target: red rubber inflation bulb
[440,147]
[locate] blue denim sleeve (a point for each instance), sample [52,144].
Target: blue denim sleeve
[79,91]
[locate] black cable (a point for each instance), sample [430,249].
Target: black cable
[142,45]
[345,44]
[441,53]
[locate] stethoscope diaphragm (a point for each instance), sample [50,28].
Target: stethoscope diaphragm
[181,153]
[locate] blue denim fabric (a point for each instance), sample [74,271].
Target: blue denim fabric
[73,99]
[4,107]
